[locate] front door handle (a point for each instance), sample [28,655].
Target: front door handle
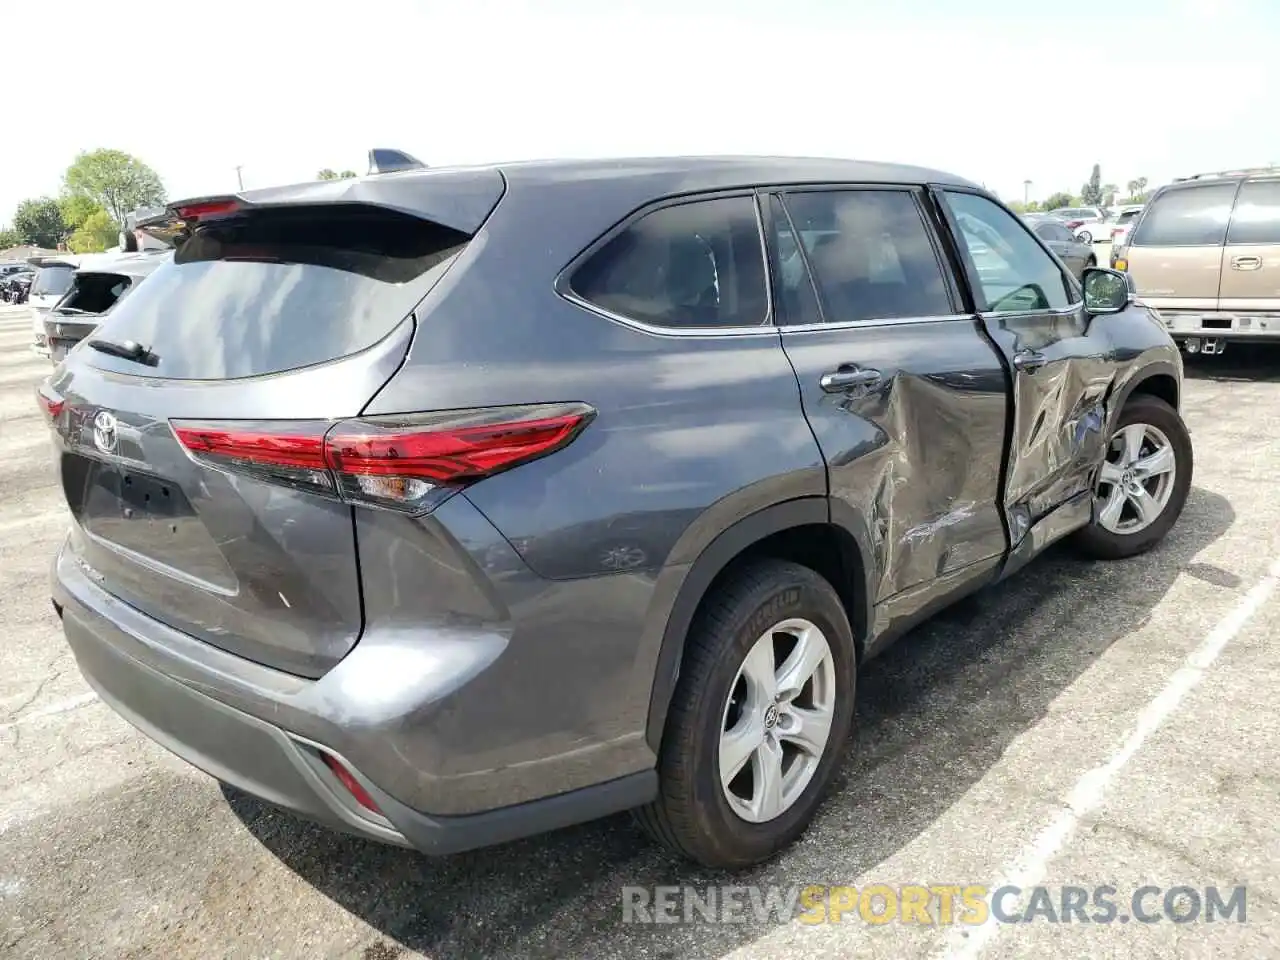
[1029,361]
[847,377]
[1246,263]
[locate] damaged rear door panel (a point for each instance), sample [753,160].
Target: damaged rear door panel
[1061,375]
[907,397]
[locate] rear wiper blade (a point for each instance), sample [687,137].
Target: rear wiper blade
[128,350]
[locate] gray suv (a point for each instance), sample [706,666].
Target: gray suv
[449,506]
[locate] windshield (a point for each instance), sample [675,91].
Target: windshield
[52,281]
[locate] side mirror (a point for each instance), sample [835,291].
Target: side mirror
[1106,291]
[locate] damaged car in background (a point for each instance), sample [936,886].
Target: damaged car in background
[94,292]
[454,506]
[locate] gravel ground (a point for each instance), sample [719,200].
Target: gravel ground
[1082,724]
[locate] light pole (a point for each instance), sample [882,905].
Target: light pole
[1026,192]
[239,178]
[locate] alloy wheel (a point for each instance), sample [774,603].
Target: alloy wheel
[777,720]
[1136,479]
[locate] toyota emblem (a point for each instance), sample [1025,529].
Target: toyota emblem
[104,432]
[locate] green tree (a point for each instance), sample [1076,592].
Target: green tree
[348,175]
[1137,190]
[9,238]
[118,182]
[328,174]
[1059,199]
[1091,192]
[97,233]
[1109,193]
[76,209]
[39,222]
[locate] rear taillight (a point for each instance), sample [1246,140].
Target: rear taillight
[410,462]
[1072,224]
[49,401]
[206,208]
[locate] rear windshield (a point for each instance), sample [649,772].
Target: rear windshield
[52,281]
[93,293]
[279,290]
[1127,216]
[1187,217]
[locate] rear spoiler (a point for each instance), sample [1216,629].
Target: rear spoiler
[460,199]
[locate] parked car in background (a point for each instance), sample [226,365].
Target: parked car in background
[1121,221]
[1076,254]
[133,239]
[52,279]
[1205,254]
[14,285]
[96,290]
[609,518]
[1084,222]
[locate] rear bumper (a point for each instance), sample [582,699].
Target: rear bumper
[1222,325]
[262,731]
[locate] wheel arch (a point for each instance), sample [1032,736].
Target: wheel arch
[802,530]
[1158,380]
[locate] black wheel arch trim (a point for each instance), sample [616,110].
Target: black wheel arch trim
[1144,374]
[717,555]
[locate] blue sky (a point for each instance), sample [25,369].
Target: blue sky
[986,88]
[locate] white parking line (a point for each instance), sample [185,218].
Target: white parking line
[1029,869]
[53,709]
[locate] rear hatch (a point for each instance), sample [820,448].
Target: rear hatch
[278,321]
[1174,252]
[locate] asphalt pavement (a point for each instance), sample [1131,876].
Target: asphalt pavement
[1081,726]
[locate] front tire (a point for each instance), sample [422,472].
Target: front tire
[1143,483]
[759,718]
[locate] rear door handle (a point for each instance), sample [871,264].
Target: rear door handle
[1029,360]
[847,377]
[1246,263]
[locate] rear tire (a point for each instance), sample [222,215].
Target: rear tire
[1084,236]
[1143,484]
[742,641]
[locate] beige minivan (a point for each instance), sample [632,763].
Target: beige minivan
[1205,254]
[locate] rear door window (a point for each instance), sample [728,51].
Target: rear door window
[1187,217]
[1257,215]
[278,291]
[870,253]
[697,264]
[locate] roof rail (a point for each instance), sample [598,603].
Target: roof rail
[1240,172]
[386,160]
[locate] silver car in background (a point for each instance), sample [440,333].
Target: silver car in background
[1058,237]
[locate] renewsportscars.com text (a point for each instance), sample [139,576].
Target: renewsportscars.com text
[933,904]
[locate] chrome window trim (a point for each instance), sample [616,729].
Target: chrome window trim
[1059,312]
[876,322]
